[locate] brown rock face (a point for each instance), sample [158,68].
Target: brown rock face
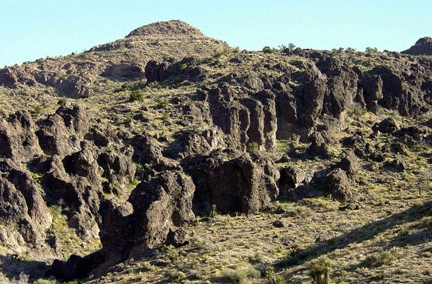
[125,71]
[342,86]
[22,208]
[154,214]
[155,71]
[17,137]
[232,181]
[54,136]
[372,91]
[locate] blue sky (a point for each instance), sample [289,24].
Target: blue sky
[36,29]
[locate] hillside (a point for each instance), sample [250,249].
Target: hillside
[169,156]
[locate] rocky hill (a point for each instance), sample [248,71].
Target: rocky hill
[168,156]
[422,47]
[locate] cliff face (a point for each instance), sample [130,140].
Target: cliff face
[167,124]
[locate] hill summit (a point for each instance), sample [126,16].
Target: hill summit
[422,47]
[166,29]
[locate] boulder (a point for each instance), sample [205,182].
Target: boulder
[397,94]
[178,237]
[395,165]
[190,143]
[13,77]
[118,168]
[338,185]
[310,97]
[319,147]
[416,132]
[342,85]
[350,164]
[292,177]
[388,125]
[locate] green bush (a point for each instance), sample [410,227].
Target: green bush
[252,146]
[220,53]
[268,49]
[240,275]
[320,270]
[378,259]
[44,281]
[136,95]
[176,276]
[61,101]
[371,50]
[164,104]
[37,111]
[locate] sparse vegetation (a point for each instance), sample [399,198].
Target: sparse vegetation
[390,208]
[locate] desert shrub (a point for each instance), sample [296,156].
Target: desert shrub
[268,49]
[220,53]
[164,104]
[320,270]
[240,275]
[176,276]
[252,146]
[44,281]
[378,259]
[371,49]
[61,101]
[283,145]
[213,212]
[37,111]
[131,86]
[270,274]
[136,95]
[170,252]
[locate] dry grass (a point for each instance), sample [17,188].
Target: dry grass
[389,241]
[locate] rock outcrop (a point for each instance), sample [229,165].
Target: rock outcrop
[232,181]
[24,214]
[207,133]
[422,47]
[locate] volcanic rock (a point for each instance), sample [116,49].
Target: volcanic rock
[423,46]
